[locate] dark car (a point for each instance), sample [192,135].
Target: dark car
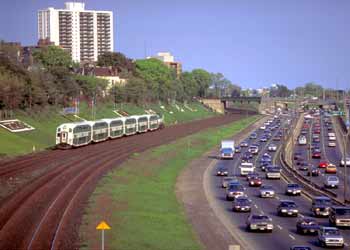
[298,156]
[287,208]
[222,171]
[251,175]
[253,136]
[316,153]
[255,181]
[237,149]
[263,139]
[300,248]
[277,138]
[241,204]
[246,156]
[316,140]
[244,144]
[307,226]
[264,165]
[321,206]
[233,191]
[303,166]
[314,171]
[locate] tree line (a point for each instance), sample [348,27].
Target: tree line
[54,79]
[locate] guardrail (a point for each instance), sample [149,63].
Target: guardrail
[310,189]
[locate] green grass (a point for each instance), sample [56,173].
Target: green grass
[138,199]
[46,122]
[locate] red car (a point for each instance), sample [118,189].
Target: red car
[317,131]
[255,181]
[316,155]
[323,164]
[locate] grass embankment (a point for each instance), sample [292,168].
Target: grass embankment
[138,199]
[46,122]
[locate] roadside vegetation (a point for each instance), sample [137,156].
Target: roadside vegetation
[138,199]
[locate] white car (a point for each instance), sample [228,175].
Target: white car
[331,134]
[302,140]
[332,138]
[263,127]
[342,163]
[332,144]
[272,147]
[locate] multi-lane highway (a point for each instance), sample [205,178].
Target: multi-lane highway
[284,234]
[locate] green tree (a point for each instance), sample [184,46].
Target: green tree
[92,86]
[117,60]
[203,80]
[53,56]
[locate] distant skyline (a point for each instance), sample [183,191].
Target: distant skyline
[253,43]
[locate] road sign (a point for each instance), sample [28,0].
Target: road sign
[103,226]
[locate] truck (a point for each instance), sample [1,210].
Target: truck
[227,149]
[246,168]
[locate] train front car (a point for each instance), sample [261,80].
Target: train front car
[142,124]
[99,131]
[70,135]
[131,125]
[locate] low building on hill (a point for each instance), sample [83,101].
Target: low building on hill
[107,73]
[169,61]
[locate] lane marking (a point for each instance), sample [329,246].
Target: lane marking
[291,236]
[302,216]
[277,197]
[255,206]
[346,244]
[279,227]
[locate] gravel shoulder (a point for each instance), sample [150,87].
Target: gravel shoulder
[193,191]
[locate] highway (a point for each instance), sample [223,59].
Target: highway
[328,154]
[284,234]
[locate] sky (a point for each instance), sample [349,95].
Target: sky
[254,43]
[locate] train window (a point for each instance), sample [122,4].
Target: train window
[70,130]
[58,134]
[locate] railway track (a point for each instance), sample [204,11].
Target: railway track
[45,214]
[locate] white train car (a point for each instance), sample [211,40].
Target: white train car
[131,125]
[78,134]
[100,131]
[74,134]
[116,127]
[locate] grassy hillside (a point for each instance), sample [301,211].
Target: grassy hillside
[45,123]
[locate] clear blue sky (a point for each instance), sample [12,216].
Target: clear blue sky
[252,42]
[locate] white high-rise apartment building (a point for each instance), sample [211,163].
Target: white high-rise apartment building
[86,34]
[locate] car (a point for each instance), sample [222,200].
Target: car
[303,132]
[321,206]
[316,140]
[293,189]
[331,169]
[244,144]
[237,149]
[253,136]
[315,136]
[253,149]
[272,148]
[331,134]
[332,138]
[314,171]
[255,181]
[332,144]
[246,156]
[251,175]
[347,162]
[263,127]
[316,153]
[302,140]
[273,172]
[304,166]
[277,138]
[330,237]
[264,165]
[331,182]
[323,164]
[267,191]
[298,156]
[259,222]
[263,139]
[307,226]
[287,208]
[300,248]
[339,216]
[226,181]
[222,171]
[241,204]
[233,191]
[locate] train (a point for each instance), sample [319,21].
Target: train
[78,134]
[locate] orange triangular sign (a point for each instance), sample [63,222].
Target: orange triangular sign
[103,226]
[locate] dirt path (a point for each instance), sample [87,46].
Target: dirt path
[193,192]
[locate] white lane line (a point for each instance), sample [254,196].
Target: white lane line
[279,227]
[346,244]
[277,197]
[302,216]
[255,206]
[291,236]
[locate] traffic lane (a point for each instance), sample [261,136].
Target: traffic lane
[278,239]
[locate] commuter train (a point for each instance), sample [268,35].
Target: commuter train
[77,134]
